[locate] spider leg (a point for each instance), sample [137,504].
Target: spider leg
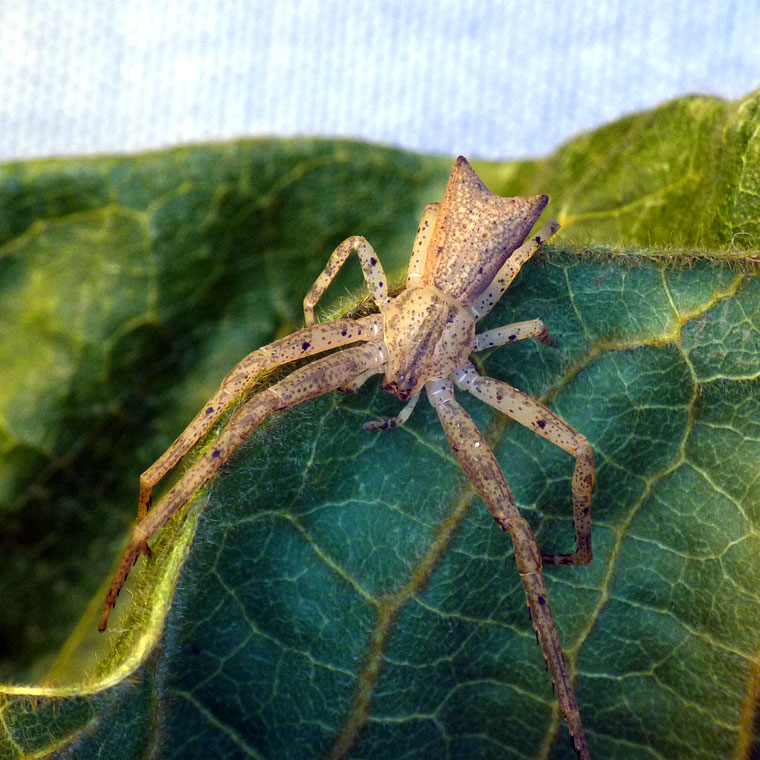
[315,379]
[499,336]
[420,247]
[480,466]
[509,269]
[371,267]
[299,345]
[534,415]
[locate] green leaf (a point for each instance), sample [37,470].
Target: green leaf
[339,588]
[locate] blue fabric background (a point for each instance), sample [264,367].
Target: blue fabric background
[487,78]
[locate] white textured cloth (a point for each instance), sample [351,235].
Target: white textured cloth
[487,78]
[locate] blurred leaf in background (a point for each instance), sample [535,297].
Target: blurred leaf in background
[329,568]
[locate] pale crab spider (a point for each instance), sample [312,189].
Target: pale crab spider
[467,251]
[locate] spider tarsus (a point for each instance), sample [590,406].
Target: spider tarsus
[384,423]
[546,339]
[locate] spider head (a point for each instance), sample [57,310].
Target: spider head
[402,386]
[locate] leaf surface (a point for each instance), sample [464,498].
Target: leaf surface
[339,591]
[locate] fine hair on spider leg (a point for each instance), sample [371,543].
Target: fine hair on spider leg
[468,250]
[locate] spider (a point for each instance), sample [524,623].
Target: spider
[467,251]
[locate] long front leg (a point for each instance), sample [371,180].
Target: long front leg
[315,379]
[534,415]
[305,343]
[479,464]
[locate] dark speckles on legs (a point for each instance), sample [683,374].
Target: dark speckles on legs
[305,345]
